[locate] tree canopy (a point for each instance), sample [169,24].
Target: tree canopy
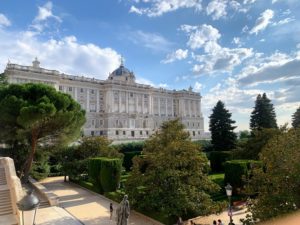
[296,119]
[171,175]
[263,114]
[277,183]
[38,114]
[221,127]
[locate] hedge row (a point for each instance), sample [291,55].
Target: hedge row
[131,147]
[127,160]
[217,160]
[105,173]
[237,170]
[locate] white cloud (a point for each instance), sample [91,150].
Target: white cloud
[217,8]
[152,41]
[160,7]
[201,35]
[45,12]
[66,54]
[4,21]
[216,57]
[284,21]
[263,21]
[179,54]
[198,86]
[237,41]
[133,9]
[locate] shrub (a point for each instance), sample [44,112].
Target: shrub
[236,171]
[105,173]
[128,156]
[40,168]
[130,147]
[217,159]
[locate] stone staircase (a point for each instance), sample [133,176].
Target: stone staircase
[7,216]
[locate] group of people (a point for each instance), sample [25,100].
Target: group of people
[218,223]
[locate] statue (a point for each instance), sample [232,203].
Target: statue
[123,211]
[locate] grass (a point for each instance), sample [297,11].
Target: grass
[218,178]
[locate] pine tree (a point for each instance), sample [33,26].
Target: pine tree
[296,119]
[263,114]
[221,127]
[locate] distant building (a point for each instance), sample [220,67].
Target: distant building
[118,107]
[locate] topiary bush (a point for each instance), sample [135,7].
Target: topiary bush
[217,160]
[105,173]
[237,171]
[127,161]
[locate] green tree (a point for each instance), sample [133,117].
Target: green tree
[296,118]
[97,147]
[171,176]
[78,156]
[251,147]
[38,114]
[263,114]
[277,184]
[221,127]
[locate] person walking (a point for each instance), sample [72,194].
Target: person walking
[111,210]
[220,222]
[214,222]
[179,221]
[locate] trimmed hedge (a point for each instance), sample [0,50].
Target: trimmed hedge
[217,160]
[237,170]
[127,161]
[105,173]
[130,147]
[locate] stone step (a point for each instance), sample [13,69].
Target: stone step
[6,211]
[8,220]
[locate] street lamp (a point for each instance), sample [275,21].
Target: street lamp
[66,159]
[228,189]
[28,205]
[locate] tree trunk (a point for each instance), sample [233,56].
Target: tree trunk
[28,164]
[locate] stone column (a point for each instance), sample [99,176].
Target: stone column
[143,99]
[87,100]
[75,93]
[136,102]
[159,106]
[97,101]
[120,103]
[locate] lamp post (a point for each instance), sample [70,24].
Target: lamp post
[228,189]
[28,205]
[66,158]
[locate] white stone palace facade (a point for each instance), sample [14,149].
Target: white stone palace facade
[118,107]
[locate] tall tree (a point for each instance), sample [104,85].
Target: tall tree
[171,176]
[277,183]
[263,114]
[38,114]
[221,127]
[296,118]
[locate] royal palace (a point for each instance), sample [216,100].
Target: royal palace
[118,107]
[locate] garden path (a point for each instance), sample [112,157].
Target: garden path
[89,207]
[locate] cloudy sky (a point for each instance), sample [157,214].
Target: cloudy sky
[229,50]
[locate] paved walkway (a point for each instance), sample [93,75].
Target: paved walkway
[55,215]
[90,208]
[208,220]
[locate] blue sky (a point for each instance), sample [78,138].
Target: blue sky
[226,50]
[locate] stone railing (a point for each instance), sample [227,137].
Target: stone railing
[13,184]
